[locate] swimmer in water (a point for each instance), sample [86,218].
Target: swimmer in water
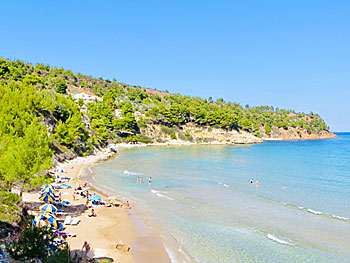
[257,183]
[251,181]
[284,188]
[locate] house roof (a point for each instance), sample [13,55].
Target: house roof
[84,91]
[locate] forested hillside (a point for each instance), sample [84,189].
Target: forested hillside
[40,119]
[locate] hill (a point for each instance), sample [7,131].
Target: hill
[50,114]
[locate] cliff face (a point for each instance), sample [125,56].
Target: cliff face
[295,134]
[196,134]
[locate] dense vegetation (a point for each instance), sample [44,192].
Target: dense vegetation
[37,245]
[39,119]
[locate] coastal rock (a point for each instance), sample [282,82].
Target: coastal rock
[295,134]
[197,134]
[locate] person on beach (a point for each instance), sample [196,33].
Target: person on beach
[86,246]
[74,196]
[93,214]
[128,204]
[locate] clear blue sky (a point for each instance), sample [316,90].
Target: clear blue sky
[286,53]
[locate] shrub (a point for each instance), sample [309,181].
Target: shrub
[173,135]
[139,138]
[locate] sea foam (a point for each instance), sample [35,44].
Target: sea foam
[314,212]
[278,240]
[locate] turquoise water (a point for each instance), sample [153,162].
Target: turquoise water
[201,194]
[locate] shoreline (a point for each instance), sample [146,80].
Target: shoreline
[153,242]
[146,245]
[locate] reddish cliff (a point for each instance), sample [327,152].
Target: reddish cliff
[296,134]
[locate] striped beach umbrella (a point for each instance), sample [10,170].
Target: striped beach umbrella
[50,220]
[48,215]
[48,190]
[47,186]
[36,220]
[50,194]
[48,208]
[47,198]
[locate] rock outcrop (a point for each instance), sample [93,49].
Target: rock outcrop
[295,134]
[197,134]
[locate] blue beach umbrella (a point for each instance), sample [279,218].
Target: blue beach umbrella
[48,215]
[48,208]
[48,190]
[95,197]
[50,194]
[36,220]
[47,186]
[51,220]
[47,198]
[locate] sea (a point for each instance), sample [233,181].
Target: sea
[202,196]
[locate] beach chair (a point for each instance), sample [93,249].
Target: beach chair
[75,221]
[68,220]
[61,204]
[61,213]
[63,234]
[101,260]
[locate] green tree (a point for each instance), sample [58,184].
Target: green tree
[37,244]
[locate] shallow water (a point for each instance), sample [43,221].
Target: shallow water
[201,195]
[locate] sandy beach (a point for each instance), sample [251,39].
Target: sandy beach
[112,232]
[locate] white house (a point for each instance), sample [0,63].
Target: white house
[86,96]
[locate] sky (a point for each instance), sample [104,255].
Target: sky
[291,54]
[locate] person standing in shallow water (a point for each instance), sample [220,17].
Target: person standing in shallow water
[138,179]
[150,180]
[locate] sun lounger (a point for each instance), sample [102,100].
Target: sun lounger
[61,214]
[61,204]
[65,234]
[75,221]
[100,260]
[58,240]
[68,220]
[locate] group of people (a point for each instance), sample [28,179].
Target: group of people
[139,180]
[252,182]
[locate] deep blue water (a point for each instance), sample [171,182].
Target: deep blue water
[201,194]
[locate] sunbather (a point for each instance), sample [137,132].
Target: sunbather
[93,214]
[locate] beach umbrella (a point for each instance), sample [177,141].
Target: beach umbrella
[95,197]
[48,208]
[48,215]
[49,194]
[48,190]
[47,198]
[47,186]
[36,220]
[50,219]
